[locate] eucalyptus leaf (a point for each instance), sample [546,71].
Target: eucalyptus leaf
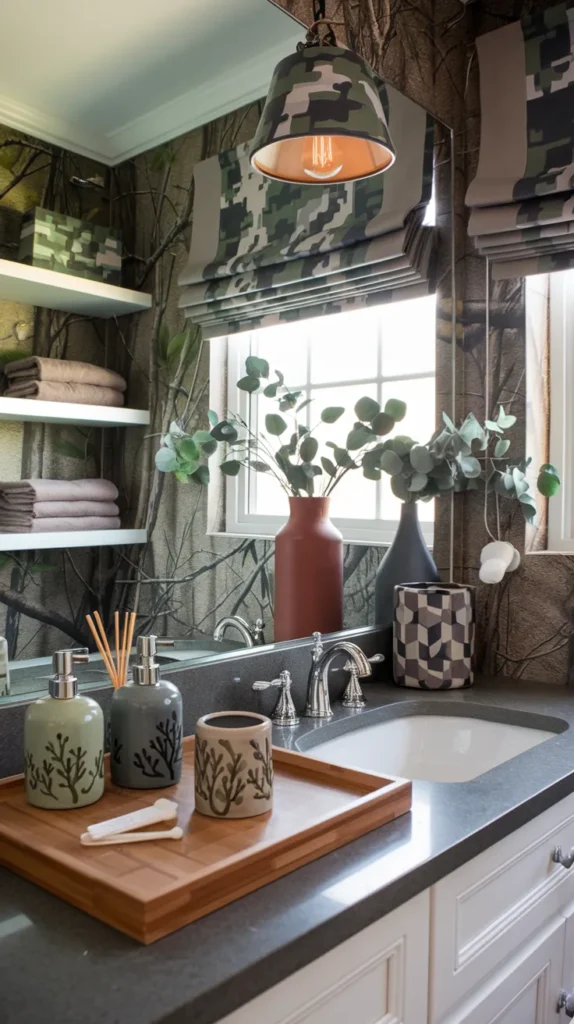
[256,367]
[230,468]
[201,475]
[260,467]
[382,424]
[342,457]
[332,414]
[501,447]
[548,481]
[396,408]
[421,459]
[271,390]
[166,460]
[401,444]
[418,482]
[308,448]
[469,466]
[311,471]
[225,431]
[520,482]
[399,487]
[366,409]
[505,420]
[390,462]
[371,472]
[289,400]
[249,384]
[491,425]
[181,476]
[213,418]
[359,437]
[275,424]
[447,420]
[304,404]
[328,466]
[188,449]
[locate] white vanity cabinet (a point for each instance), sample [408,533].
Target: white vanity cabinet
[379,976]
[491,943]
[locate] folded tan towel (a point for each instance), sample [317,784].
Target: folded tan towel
[23,494]
[56,510]
[50,391]
[65,371]
[59,525]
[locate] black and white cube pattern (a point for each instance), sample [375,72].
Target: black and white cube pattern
[433,635]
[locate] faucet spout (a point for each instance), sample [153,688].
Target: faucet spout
[237,623]
[318,701]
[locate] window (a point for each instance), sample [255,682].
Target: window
[383,352]
[560,288]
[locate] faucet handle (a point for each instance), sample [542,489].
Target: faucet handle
[376,659]
[317,646]
[284,712]
[353,696]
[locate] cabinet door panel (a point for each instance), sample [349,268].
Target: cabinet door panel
[485,910]
[379,976]
[525,990]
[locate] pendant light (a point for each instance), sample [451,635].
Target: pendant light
[323,119]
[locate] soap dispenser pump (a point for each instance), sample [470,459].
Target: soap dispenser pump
[64,741]
[146,724]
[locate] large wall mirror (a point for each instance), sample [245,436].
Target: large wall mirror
[208,559]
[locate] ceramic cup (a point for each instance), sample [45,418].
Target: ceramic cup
[233,765]
[433,635]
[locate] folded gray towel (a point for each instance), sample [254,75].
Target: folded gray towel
[66,524]
[52,391]
[66,371]
[56,510]
[23,494]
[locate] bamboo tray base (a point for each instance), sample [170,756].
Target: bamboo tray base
[148,890]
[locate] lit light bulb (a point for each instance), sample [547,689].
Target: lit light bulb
[322,158]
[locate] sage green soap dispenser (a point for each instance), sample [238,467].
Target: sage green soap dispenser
[146,725]
[64,741]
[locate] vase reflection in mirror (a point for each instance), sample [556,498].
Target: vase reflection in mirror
[408,560]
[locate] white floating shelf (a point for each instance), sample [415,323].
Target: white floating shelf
[31,410]
[70,539]
[37,287]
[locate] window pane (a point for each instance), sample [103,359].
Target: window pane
[285,349]
[419,423]
[408,336]
[344,346]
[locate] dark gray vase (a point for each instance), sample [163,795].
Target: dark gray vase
[408,560]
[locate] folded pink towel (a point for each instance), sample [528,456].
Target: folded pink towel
[66,371]
[67,524]
[52,391]
[23,494]
[22,519]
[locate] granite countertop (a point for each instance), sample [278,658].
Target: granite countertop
[55,960]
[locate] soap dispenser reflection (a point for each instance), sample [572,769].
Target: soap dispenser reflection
[146,725]
[64,741]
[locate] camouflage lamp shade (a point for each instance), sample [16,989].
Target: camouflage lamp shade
[522,198]
[323,120]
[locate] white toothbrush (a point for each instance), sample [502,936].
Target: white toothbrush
[131,837]
[161,810]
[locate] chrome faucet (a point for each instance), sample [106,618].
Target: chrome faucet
[253,635]
[318,703]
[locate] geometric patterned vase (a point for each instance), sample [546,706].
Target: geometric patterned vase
[433,635]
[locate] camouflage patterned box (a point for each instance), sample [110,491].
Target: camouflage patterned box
[55,241]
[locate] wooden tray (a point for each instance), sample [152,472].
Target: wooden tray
[148,890]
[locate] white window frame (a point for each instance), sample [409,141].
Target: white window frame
[561,507]
[239,522]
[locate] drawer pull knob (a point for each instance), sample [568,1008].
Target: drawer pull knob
[565,859]
[566,1003]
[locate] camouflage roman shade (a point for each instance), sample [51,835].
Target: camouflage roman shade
[522,197]
[265,252]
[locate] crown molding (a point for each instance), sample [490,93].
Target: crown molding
[233,88]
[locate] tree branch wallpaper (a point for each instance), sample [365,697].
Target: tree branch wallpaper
[184,579]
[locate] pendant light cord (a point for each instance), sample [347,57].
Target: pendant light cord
[319,18]
[319,13]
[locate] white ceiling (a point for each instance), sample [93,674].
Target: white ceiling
[112,78]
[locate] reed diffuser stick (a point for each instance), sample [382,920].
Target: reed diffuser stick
[129,644]
[117,640]
[108,662]
[122,666]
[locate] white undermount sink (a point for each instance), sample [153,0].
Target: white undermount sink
[436,748]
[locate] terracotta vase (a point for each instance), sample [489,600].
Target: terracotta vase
[308,572]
